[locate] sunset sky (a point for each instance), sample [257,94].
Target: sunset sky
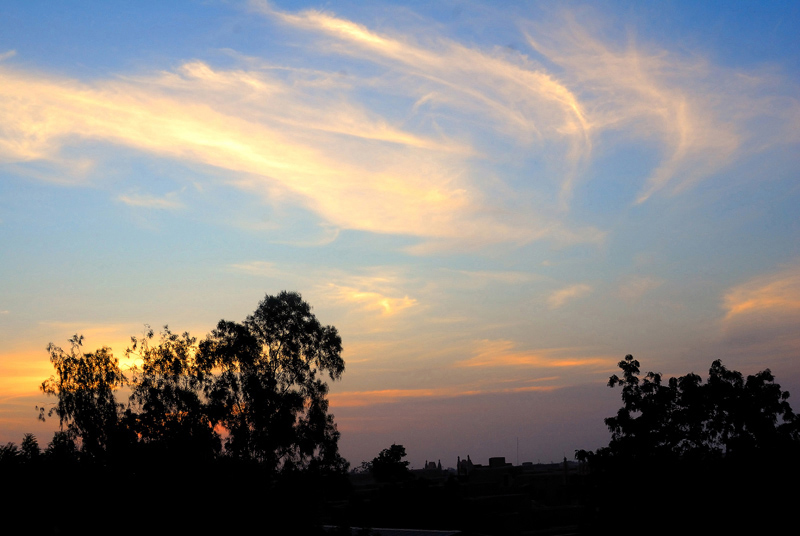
[492,202]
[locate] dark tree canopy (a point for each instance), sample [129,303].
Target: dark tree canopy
[84,385]
[30,448]
[257,387]
[708,457]
[168,409]
[269,393]
[683,417]
[389,466]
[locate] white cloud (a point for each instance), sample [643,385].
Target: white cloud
[701,116]
[307,137]
[372,177]
[508,91]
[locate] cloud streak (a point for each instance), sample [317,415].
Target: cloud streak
[392,396]
[762,314]
[502,353]
[168,202]
[777,293]
[702,115]
[370,300]
[507,90]
[305,136]
[407,184]
[380,291]
[560,297]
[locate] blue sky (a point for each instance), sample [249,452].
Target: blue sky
[492,202]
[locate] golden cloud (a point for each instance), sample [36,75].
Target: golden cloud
[502,353]
[762,316]
[370,300]
[391,396]
[293,143]
[306,137]
[777,293]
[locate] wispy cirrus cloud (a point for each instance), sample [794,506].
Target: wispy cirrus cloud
[703,117]
[762,314]
[700,116]
[371,300]
[292,134]
[560,297]
[168,202]
[391,396]
[325,107]
[259,268]
[778,293]
[350,166]
[506,89]
[381,290]
[503,353]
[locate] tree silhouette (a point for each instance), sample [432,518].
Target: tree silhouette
[268,394]
[29,449]
[388,465]
[258,384]
[245,409]
[171,415]
[62,447]
[726,416]
[706,451]
[84,384]
[9,454]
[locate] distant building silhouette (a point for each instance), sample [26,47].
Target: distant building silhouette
[464,467]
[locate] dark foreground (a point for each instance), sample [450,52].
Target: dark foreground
[230,498]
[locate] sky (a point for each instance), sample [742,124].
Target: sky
[492,202]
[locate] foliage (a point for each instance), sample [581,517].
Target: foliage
[167,394]
[27,452]
[9,453]
[363,468]
[258,384]
[84,384]
[708,451]
[268,394]
[30,450]
[62,447]
[726,416]
[389,465]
